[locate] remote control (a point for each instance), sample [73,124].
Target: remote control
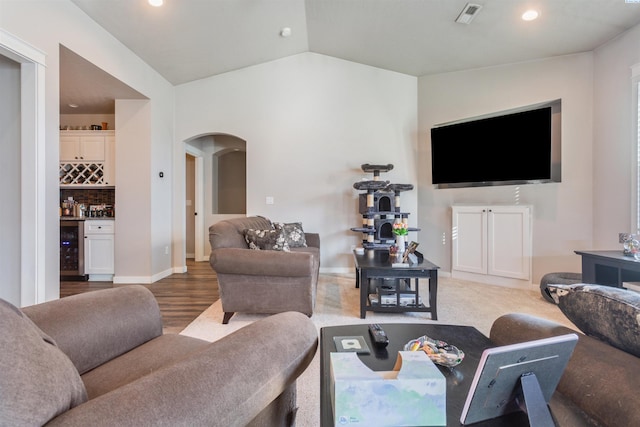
[378,336]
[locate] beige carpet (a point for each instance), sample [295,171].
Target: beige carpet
[459,302]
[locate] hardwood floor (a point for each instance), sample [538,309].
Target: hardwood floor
[181,297]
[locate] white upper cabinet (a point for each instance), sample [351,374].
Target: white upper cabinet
[87,158]
[82,148]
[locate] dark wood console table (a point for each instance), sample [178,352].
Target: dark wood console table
[610,268]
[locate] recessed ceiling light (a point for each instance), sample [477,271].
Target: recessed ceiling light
[156,3]
[73,105]
[530,15]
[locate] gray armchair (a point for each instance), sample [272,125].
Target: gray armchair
[262,281]
[100,359]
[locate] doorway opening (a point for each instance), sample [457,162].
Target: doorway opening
[215,179]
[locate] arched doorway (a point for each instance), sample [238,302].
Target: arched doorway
[215,179]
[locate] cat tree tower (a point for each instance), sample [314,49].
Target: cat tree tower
[379,205]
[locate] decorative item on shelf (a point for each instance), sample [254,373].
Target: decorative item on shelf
[630,244]
[400,230]
[410,253]
[393,254]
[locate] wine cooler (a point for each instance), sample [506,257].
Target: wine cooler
[71,248]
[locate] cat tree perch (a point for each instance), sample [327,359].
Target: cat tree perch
[380,208]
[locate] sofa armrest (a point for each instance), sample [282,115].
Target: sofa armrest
[600,379]
[312,239]
[261,263]
[227,383]
[94,327]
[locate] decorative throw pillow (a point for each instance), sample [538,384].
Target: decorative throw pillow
[604,312]
[293,234]
[265,240]
[37,381]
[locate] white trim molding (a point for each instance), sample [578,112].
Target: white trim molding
[32,153]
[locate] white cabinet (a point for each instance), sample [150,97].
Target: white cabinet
[82,148]
[491,242]
[87,158]
[99,249]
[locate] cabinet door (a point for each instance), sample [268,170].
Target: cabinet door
[92,148]
[69,148]
[99,254]
[509,242]
[468,239]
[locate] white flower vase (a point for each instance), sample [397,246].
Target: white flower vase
[400,243]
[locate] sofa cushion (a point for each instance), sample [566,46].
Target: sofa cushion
[293,233]
[38,380]
[266,240]
[604,312]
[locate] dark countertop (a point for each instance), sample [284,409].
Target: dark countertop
[85,218]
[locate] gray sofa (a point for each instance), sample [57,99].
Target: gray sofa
[600,384]
[101,359]
[263,281]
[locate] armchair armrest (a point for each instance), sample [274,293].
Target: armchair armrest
[312,239]
[227,383]
[261,263]
[94,327]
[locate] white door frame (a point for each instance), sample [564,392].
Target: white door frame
[198,202]
[32,154]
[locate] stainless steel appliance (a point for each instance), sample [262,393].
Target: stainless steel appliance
[71,248]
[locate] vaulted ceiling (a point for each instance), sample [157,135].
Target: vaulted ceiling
[186,40]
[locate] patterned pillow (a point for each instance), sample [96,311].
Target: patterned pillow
[604,312]
[265,240]
[293,234]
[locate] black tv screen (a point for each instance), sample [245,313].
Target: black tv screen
[516,147]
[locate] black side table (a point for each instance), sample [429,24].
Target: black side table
[374,264]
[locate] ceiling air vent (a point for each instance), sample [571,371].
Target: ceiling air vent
[468,13]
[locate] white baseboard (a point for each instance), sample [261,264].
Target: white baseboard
[143,280]
[101,278]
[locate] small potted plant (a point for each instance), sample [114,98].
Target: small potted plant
[400,230]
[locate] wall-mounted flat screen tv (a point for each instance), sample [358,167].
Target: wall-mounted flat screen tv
[519,146]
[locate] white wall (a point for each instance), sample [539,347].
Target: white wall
[562,220]
[614,139]
[309,122]
[47,24]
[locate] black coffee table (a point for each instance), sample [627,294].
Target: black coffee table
[466,338]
